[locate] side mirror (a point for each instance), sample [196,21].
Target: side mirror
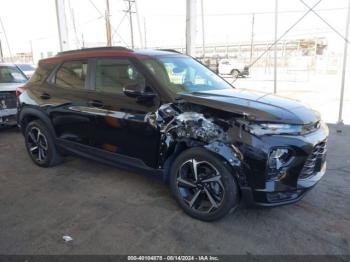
[136,92]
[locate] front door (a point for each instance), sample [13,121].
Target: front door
[124,125]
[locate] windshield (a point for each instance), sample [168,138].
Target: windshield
[184,75]
[10,74]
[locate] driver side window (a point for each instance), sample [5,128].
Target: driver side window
[112,75]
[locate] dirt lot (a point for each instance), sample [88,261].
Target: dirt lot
[109,211]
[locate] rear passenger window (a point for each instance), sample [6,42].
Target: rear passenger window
[41,73]
[72,74]
[112,75]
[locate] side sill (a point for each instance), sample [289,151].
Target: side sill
[117,160]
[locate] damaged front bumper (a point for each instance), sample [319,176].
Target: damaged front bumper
[271,196]
[302,171]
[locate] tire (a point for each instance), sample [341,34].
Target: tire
[235,73]
[202,199]
[40,145]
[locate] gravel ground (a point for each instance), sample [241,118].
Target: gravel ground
[109,211]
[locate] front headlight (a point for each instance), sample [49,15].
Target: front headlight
[274,129]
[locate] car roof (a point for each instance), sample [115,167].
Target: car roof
[108,52]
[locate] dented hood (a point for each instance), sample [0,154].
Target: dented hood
[256,105]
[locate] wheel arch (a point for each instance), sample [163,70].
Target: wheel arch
[235,69]
[28,115]
[231,157]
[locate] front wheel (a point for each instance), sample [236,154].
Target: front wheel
[203,185]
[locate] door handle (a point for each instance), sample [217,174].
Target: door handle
[45,96]
[95,103]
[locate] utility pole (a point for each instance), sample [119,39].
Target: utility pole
[275,49]
[340,117]
[6,39]
[1,53]
[203,32]
[144,31]
[191,29]
[252,39]
[130,2]
[108,25]
[138,24]
[77,42]
[31,51]
[82,41]
[62,25]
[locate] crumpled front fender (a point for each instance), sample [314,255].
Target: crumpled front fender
[231,154]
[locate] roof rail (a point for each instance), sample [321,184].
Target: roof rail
[105,48]
[170,50]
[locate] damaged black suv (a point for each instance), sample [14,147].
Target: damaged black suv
[164,113]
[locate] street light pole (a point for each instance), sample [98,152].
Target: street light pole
[62,25]
[203,30]
[252,39]
[191,6]
[1,54]
[275,50]
[108,25]
[340,117]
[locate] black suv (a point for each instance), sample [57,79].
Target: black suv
[164,113]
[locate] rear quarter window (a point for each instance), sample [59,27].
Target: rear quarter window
[41,73]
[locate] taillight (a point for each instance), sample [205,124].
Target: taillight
[19,90]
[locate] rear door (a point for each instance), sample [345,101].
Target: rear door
[124,125]
[68,101]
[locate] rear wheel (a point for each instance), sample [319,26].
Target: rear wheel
[235,73]
[40,145]
[203,185]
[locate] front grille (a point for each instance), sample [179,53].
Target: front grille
[8,100]
[314,162]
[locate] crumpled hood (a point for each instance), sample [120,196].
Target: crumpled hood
[256,105]
[10,86]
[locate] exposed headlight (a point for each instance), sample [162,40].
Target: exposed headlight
[278,159]
[274,129]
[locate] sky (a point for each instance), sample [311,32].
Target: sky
[33,22]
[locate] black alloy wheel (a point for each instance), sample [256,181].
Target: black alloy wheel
[199,183]
[40,145]
[37,144]
[202,185]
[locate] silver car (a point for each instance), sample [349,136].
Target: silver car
[11,77]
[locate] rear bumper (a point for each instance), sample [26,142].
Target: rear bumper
[244,72]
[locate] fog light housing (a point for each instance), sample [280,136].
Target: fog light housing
[278,160]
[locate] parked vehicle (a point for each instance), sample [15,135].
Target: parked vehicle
[27,69]
[164,113]
[11,77]
[233,67]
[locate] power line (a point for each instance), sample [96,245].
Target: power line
[6,39]
[98,10]
[285,33]
[328,24]
[272,12]
[259,13]
[130,12]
